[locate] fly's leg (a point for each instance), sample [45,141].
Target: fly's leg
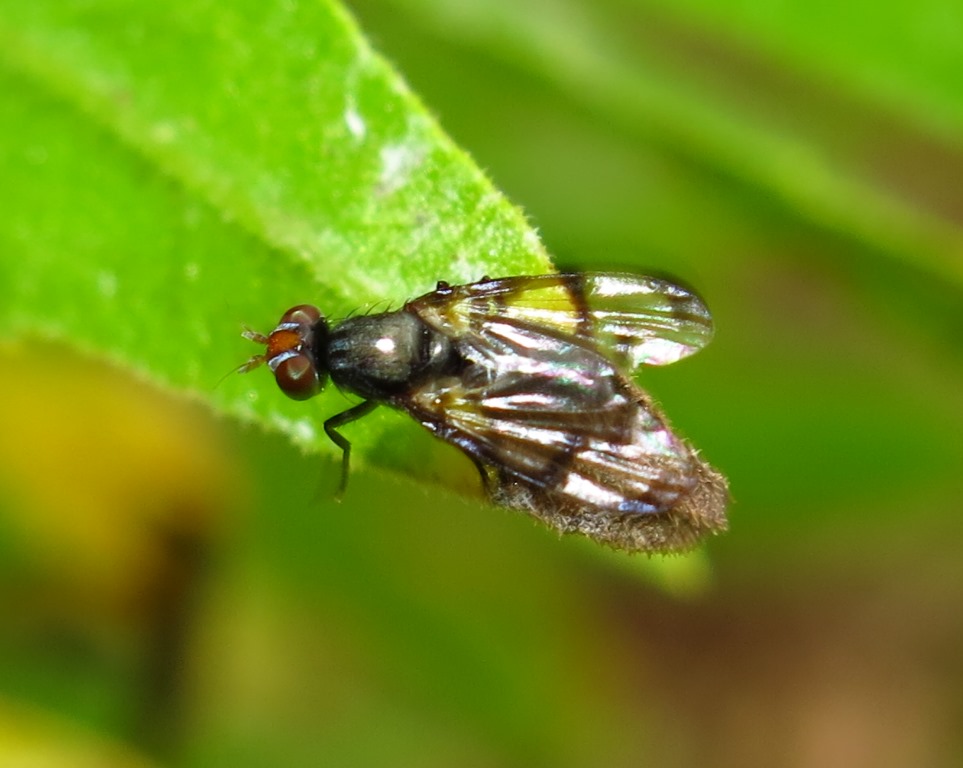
[489,478]
[331,430]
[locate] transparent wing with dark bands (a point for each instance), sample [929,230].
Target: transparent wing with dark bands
[635,319]
[551,412]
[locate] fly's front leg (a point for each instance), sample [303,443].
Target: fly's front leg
[331,430]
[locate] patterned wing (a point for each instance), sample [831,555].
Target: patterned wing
[634,319]
[551,413]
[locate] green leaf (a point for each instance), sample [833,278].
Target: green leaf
[174,173]
[797,162]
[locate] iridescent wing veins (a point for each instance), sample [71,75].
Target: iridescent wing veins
[539,402]
[634,319]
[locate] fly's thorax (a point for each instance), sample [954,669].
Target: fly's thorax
[380,356]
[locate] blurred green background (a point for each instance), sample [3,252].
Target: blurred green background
[175,586]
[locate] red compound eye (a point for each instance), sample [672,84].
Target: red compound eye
[298,378]
[303,314]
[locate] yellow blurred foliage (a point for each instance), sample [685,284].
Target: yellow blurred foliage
[35,740]
[111,490]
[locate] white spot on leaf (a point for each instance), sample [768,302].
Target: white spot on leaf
[107,284]
[397,163]
[355,122]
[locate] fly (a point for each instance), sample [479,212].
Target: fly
[528,376]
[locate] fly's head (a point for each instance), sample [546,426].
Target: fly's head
[295,352]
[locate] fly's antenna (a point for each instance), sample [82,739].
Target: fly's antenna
[254,362]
